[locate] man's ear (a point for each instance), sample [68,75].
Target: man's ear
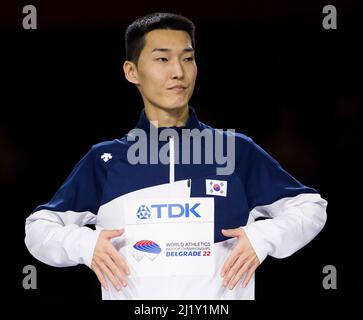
[130,71]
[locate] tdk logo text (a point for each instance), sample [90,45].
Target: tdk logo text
[171,210]
[176,210]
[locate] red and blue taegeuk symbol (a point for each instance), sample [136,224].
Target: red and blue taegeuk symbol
[216,187]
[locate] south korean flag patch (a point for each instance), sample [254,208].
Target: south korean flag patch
[216,187]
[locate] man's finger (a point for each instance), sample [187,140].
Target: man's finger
[119,274]
[234,269]
[249,274]
[108,273]
[109,234]
[100,277]
[239,275]
[230,261]
[232,232]
[119,260]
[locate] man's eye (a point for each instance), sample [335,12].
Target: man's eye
[162,59]
[189,59]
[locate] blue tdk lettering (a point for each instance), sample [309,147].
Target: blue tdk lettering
[176,210]
[192,210]
[158,207]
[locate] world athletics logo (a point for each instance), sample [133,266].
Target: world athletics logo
[145,248]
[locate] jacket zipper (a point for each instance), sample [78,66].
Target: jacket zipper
[172,161]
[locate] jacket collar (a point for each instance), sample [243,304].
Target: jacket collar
[192,122]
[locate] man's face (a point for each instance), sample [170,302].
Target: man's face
[166,70]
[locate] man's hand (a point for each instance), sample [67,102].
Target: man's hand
[243,259]
[107,261]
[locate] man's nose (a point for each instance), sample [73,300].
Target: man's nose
[177,70]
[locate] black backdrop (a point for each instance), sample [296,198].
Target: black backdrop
[266,69]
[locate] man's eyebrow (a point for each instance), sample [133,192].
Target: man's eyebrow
[167,50]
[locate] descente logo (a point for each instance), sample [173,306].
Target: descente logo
[170,210]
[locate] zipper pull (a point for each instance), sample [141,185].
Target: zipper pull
[188,183]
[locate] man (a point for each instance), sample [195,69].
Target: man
[112,178]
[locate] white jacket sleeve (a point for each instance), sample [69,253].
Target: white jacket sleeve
[60,239]
[294,222]
[55,233]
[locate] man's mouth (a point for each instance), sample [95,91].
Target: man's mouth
[177,88]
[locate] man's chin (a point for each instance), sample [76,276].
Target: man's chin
[174,107]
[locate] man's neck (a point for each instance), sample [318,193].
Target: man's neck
[168,118]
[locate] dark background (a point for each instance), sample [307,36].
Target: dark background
[265,68]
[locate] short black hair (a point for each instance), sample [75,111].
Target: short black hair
[136,31]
